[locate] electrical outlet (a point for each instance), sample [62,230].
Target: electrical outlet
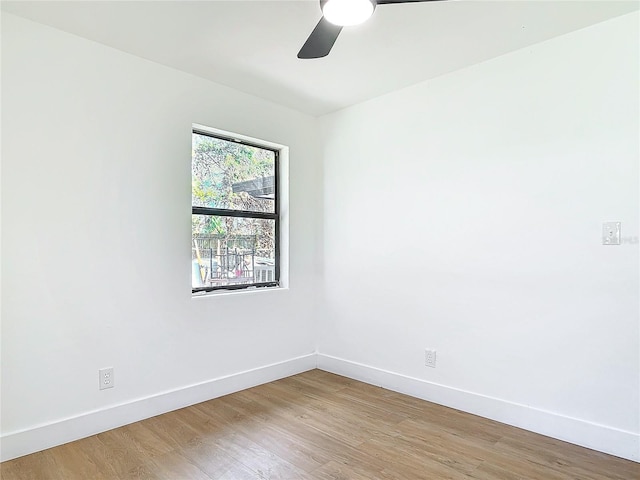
[611,233]
[430,358]
[106,378]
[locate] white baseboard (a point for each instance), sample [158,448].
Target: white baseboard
[573,430]
[580,432]
[41,437]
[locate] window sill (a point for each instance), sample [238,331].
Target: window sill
[243,291]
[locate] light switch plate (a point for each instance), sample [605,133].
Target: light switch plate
[611,233]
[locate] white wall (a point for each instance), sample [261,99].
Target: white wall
[464,214]
[96,159]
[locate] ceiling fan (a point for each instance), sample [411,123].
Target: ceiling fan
[335,15]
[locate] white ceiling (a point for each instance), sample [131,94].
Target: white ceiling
[252,45]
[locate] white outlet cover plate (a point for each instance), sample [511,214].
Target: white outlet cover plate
[106,378]
[430,358]
[611,233]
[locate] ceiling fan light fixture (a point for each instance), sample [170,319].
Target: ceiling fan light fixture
[346,13]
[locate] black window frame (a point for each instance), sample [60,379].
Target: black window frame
[275,215]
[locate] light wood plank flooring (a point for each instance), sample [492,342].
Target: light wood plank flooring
[318,426]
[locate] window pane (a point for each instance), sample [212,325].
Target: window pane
[232,251]
[232,175]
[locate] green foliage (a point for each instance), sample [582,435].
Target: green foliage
[217,165]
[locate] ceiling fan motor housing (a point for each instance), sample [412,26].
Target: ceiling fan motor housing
[322,2]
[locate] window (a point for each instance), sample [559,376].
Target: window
[234,221]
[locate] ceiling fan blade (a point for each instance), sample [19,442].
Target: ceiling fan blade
[387,2]
[320,41]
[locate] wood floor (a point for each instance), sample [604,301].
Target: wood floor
[318,426]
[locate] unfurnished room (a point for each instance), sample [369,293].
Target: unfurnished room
[413,251]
